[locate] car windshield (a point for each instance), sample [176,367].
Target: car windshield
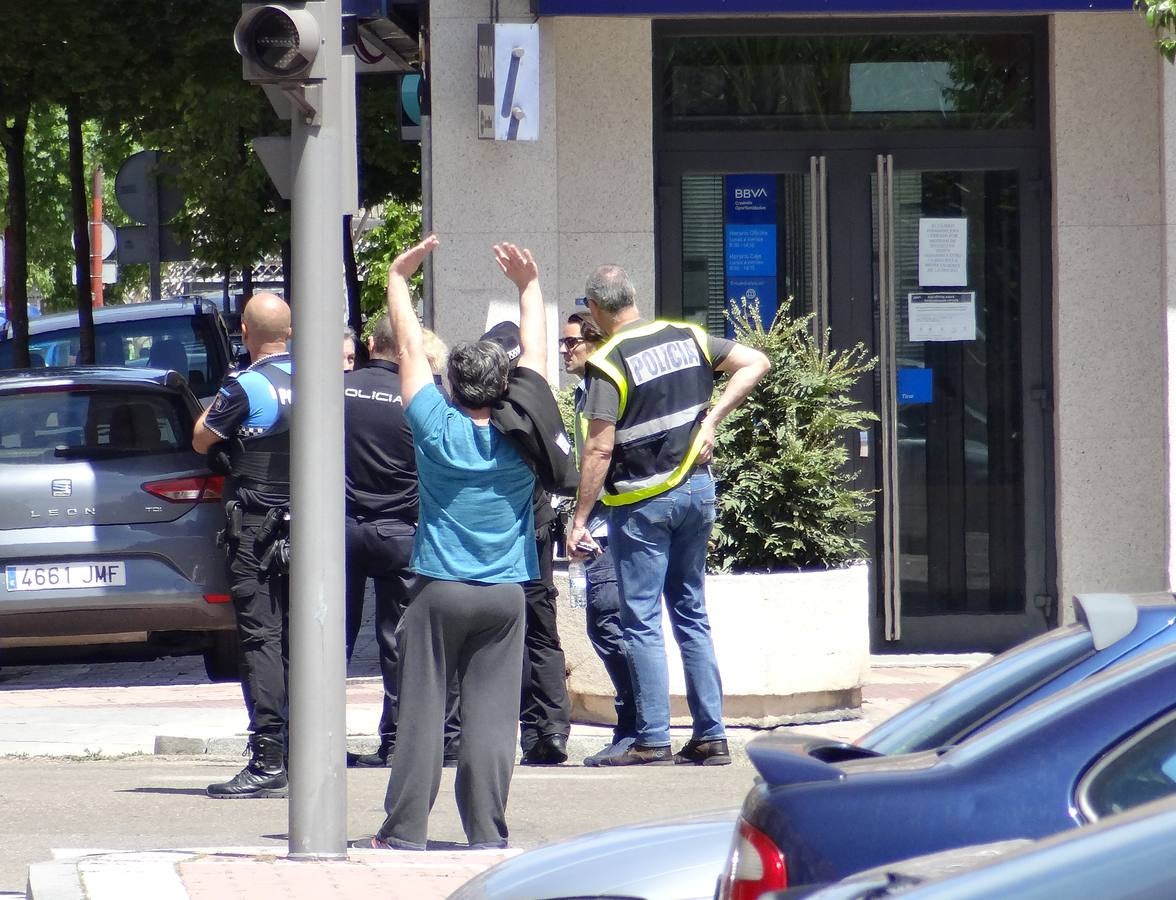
[964,705]
[183,342]
[70,423]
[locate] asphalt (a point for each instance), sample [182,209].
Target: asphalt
[168,718]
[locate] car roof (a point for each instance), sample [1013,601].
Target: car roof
[1126,674]
[127,312]
[87,376]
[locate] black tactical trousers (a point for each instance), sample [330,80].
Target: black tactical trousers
[262,605]
[544,708]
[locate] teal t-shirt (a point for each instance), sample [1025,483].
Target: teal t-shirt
[475,522]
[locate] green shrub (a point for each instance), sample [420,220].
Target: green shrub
[785,487]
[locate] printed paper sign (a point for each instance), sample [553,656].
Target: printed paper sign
[943,252]
[943,316]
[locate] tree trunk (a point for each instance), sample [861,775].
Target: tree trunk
[246,282]
[16,211]
[81,223]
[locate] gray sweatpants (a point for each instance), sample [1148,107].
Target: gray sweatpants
[475,631]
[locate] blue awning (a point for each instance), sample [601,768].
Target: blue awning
[808,7]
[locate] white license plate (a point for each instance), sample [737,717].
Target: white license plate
[65,575]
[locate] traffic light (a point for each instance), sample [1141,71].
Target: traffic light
[280,43]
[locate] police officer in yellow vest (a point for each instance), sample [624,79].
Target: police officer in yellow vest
[651,430]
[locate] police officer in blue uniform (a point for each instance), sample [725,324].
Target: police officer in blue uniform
[251,415]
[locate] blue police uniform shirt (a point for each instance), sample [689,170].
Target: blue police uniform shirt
[248,405]
[475,521]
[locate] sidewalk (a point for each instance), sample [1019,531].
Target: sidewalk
[203,718]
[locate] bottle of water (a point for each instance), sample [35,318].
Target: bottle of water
[577,584]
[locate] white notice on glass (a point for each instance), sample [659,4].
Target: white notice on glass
[943,252]
[942,316]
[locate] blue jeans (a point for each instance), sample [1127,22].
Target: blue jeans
[659,546]
[608,640]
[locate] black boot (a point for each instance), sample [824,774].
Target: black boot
[265,776]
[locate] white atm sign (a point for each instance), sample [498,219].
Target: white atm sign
[65,576]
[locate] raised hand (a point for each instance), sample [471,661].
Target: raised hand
[517,264]
[410,260]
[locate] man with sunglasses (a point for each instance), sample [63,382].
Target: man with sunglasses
[581,338]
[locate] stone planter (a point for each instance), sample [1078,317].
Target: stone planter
[792,647]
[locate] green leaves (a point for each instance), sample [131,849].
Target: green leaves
[786,494]
[1160,16]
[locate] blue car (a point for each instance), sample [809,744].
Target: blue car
[1102,746]
[647,861]
[1110,628]
[1123,857]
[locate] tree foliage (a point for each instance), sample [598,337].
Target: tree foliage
[1161,18]
[786,495]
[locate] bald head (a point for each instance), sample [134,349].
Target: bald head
[265,324]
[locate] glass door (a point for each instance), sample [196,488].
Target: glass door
[932,259]
[958,330]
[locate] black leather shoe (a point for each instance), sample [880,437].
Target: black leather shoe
[704,753]
[549,750]
[377,759]
[638,755]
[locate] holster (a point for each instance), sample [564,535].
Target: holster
[272,544]
[228,536]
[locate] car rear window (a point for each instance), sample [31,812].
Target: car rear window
[189,344]
[40,426]
[962,706]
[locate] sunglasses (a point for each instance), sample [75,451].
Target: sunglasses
[569,344]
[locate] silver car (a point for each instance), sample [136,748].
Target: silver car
[108,518]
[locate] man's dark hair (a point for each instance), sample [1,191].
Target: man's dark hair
[383,339]
[477,373]
[589,330]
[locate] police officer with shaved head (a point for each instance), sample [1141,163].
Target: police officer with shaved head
[250,415]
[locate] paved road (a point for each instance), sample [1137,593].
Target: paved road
[146,802]
[153,801]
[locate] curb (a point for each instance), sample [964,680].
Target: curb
[579,745]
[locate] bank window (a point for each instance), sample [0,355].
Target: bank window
[745,237]
[803,82]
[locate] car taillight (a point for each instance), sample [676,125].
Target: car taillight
[755,866]
[195,489]
[217,598]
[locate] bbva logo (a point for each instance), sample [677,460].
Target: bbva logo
[750,193]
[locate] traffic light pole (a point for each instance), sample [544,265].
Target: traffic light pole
[318,669]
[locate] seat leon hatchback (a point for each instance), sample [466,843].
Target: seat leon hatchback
[108,518]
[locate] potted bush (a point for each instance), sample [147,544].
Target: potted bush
[788,590]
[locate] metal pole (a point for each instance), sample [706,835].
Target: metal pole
[318,696]
[154,265]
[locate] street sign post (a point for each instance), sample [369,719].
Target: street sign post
[145,190]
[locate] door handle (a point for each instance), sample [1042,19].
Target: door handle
[819,246]
[890,558]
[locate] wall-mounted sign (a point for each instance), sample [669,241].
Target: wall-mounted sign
[915,385]
[943,252]
[508,82]
[750,240]
[942,316]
